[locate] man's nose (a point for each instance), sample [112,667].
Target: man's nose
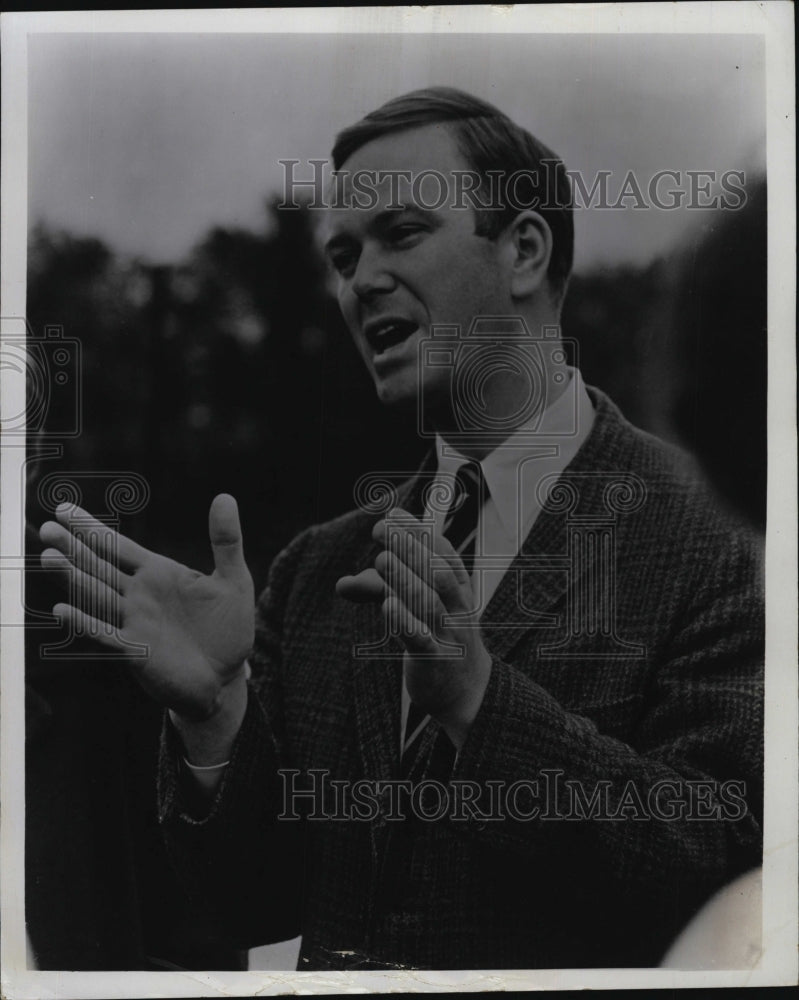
[372,276]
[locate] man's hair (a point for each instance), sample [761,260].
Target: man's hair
[489,141]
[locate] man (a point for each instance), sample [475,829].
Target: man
[509,717]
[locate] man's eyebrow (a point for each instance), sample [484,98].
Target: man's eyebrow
[379,221]
[399,208]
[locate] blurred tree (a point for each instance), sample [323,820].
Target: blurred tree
[680,346]
[100,892]
[720,316]
[607,313]
[281,407]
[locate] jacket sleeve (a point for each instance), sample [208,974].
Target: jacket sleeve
[234,854]
[677,810]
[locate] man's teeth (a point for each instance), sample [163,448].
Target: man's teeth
[392,334]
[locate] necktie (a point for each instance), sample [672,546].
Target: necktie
[460,530]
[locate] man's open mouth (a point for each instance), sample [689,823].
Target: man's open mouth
[388,333]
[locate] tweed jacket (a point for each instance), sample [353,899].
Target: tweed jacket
[622,723]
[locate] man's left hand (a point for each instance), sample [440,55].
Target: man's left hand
[446,664]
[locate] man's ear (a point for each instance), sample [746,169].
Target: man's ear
[530,245]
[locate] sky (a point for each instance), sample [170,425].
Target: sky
[147,140]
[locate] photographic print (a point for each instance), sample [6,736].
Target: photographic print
[398,500]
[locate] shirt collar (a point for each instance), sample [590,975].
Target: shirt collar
[565,424]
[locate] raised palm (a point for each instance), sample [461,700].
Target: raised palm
[185,634]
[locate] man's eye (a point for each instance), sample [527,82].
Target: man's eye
[343,262]
[399,233]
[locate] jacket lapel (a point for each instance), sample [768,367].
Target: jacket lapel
[540,576]
[531,587]
[377,658]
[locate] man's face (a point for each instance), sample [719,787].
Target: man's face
[401,270]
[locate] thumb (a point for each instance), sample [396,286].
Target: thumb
[224,531]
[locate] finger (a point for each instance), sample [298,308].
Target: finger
[402,622]
[412,541]
[367,587]
[224,530]
[422,530]
[99,537]
[93,628]
[442,571]
[395,519]
[83,557]
[443,548]
[419,598]
[90,594]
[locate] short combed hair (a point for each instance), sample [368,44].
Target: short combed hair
[489,141]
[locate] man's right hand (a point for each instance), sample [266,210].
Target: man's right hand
[197,629]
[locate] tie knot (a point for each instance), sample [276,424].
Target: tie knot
[470,488]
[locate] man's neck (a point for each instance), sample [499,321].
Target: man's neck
[477,443]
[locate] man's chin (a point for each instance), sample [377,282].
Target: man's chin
[396,394]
